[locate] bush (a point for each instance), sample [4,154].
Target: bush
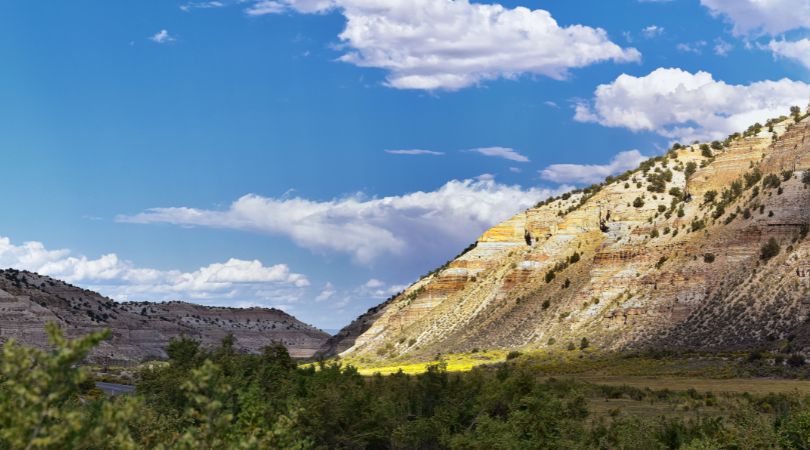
[708,258]
[512,355]
[571,347]
[574,258]
[550,275]
[769,249]
[691,168]
[771,181]
[638,202]
[806,178]
[709,196]
[546,304]
[706,151]
[583,344]
[795,360]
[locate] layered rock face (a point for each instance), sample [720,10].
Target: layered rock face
[140,331]
[651,259]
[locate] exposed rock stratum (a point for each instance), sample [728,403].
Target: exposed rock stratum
[649,259]
[140,330]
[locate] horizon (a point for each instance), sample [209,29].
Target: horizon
[271,154]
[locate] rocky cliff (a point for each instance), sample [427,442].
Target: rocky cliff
[669,255]
[140,331]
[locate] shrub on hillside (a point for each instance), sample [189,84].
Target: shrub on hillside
[769,249]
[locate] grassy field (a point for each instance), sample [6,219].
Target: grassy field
[757,386]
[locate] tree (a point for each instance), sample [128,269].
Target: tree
[638,202]
[795,110]
[769,249]
[583,344]
[706,151]
[39,398]
[691,168]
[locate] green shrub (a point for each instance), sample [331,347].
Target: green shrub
[638,202]
[769,250]
[583,344]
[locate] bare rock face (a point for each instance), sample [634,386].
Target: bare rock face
[140,330]
[646,260]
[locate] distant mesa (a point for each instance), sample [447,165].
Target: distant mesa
[140,330]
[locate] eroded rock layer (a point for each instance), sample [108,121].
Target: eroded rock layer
[668,256]
[140,330]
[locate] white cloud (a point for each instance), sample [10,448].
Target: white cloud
[265,7]
[201,5]
[500,152]
[798,51]
[420,226]
[450,45]
[121,279]
[515,169]
[379,290]
[327,292]
[551,104]
[592,173]
[162,37]
[684,106]
[414,152]
[652,31]
[694,47]
[759,17]
[722,48]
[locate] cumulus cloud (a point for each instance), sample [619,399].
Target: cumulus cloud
[759,17]
[121,279]
[592,173]
[450,45]
[422,226]
[414,152]
[689,106]
[501,152]
[162,37]
[798,51]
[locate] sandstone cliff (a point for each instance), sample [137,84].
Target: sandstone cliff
[666,256]
[140,331]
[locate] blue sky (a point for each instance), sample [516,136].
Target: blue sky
[310,155]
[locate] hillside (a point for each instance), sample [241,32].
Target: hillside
[668,256]
[140,330]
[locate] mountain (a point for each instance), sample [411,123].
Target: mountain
[140,330]
[703,248]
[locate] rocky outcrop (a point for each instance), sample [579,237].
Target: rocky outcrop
[140,331]
[632,263]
